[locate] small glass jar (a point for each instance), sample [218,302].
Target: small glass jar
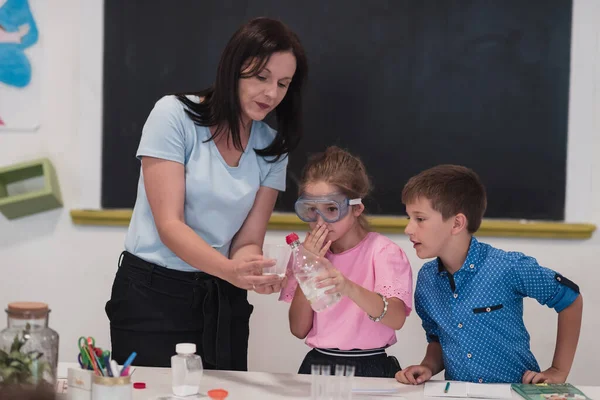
[28,347]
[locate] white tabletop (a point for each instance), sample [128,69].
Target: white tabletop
[267,386]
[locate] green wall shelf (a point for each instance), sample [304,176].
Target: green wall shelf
[36,201]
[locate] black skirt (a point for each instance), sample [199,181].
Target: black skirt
[153,308]
[374,363]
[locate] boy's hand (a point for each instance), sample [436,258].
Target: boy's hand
[551,375]
[315,240]
[414,375]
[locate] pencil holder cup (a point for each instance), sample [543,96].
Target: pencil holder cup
[107,388]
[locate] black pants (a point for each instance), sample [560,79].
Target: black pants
[153,308]
[374,366]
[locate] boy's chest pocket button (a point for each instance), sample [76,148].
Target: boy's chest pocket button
[487,309]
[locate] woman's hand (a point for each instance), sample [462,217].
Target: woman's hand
[246,273]
[315,240]
[271,288]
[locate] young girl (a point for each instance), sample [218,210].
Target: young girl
[370,271]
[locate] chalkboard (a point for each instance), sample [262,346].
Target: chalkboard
[405,85]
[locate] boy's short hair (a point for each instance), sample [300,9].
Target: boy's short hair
[452,189]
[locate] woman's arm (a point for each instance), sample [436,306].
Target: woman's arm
[249,239]
[165,188]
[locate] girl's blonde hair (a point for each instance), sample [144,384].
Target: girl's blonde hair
[339,168]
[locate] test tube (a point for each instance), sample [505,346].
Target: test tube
[315,372]
[347,383]
[339,377]
[325,382]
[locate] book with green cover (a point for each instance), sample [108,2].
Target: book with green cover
[549,391]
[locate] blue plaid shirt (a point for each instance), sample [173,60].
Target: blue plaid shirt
[476,314]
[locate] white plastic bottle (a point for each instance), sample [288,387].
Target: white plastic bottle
[186,368]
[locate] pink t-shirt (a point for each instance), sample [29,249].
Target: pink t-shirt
[377,264]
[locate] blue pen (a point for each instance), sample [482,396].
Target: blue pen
[128,362]
[107,364]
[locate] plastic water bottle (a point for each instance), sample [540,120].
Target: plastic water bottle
[306,268]
[186,368]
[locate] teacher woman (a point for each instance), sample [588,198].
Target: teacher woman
[210,174]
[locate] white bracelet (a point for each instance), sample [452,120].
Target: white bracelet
[385,307]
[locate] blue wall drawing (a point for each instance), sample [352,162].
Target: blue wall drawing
[18,32]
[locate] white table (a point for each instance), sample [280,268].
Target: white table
[269,386]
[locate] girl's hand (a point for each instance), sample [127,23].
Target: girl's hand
[314,241]
[333,277]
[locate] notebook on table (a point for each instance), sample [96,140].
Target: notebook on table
[467,390]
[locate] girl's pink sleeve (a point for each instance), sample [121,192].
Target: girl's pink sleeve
[393,275]
[287,292]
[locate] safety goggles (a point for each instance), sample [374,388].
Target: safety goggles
[331,208]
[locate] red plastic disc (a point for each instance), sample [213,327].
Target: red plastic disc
[217,394]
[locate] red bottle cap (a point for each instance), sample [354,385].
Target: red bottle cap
[291,238]
[139,385]
[217,394]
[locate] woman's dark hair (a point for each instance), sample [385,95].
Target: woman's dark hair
[255,41]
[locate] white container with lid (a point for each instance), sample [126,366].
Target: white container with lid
[186,368]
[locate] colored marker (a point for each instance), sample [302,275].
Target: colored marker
[447,387]
[127,363]
[99,365]
[108,368]
[115,368]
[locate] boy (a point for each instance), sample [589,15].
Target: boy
[470,298]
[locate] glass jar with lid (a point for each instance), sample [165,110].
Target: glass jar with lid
[28,347]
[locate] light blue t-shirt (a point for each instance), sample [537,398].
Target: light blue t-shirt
[218,197]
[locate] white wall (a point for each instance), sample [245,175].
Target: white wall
[45,257]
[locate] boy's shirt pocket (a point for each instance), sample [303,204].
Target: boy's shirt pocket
[488,309]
